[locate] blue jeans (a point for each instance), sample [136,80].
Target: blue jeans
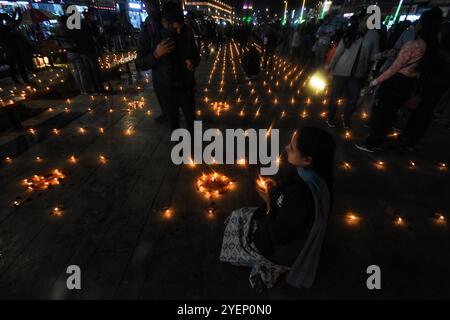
[347,88]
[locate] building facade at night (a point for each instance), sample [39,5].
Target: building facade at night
[219,10]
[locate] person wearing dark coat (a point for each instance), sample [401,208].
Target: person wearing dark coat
[11,44]
[169,49]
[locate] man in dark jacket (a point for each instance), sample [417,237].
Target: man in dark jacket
[169,49]
[10,41]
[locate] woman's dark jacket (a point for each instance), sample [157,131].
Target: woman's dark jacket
[282,233]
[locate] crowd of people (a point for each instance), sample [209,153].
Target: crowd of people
[404,68]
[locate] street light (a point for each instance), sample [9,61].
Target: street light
[301,13]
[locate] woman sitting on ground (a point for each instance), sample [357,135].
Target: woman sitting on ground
[287,231]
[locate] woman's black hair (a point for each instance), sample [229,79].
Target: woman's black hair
[430,25]
[172,12]
[320,146]
[352,32]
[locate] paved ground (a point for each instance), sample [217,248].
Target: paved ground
[111,223]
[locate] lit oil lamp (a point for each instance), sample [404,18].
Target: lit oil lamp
[346,165]
[352,218]
[380,165]
[399,221]
[167,213]
[440,218]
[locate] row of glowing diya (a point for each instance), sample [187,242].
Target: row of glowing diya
[109,62]
[216,184]
[15,94]
[344,165]
[129,131]
[354,219]
[71,159]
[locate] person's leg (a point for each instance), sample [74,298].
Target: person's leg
[187,103]
[337,88]
[353,91]
[85,73]
[22,68]
[11,61]
[392,94]
[94,72]
[443,107]
[163,103]
[170,98]
[420,119]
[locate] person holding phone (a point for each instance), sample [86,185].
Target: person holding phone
[167,46]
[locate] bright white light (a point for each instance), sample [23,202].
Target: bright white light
[134,5]
[317,82]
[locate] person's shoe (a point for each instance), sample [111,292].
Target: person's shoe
[365,147]
[331,124]
[160,118]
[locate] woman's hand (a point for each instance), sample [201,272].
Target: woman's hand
[163,48]
[263,187]
[374,83]
[189,65]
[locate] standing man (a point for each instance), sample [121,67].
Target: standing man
[168,48]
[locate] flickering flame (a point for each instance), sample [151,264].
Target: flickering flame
[399,220]
[129,131]
[380,165]
[364,115]
[352,218]
[261,183]
[346,165]
[440,218]
[167,213]
[57,211]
